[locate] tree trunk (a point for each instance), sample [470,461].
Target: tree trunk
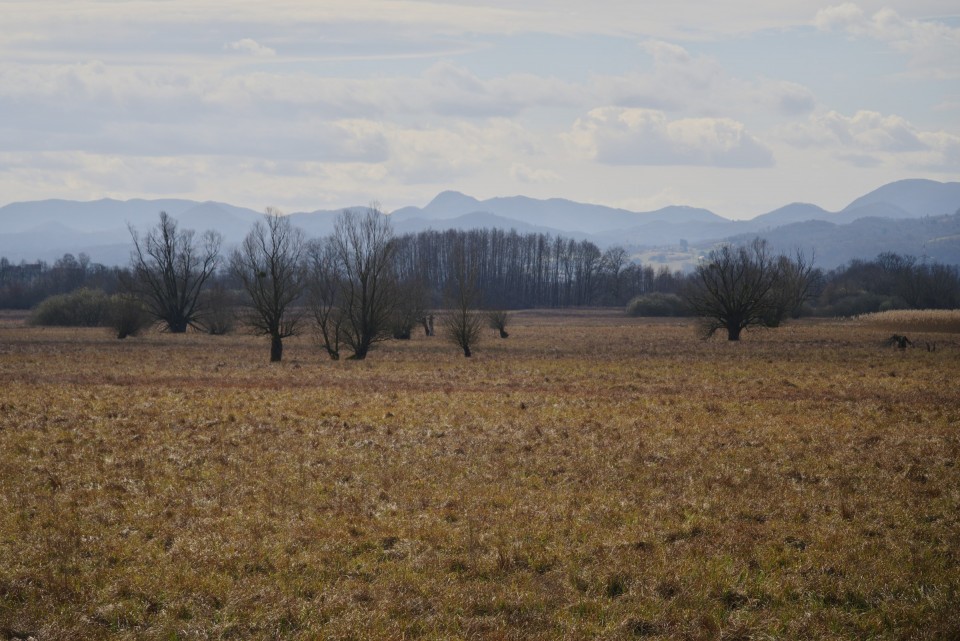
[361,352]
[466,351]
[177,327]
[503,333]
[733,332]
[276,349]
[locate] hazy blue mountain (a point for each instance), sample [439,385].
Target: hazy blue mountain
[48,229]
[792,213]
[934,238]
[479,220]
[916,197]
[555,213]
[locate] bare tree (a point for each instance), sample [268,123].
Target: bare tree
[326,284]
[498,319]
[270,264]
[126,316]
[170,269]
[462,323]
[740,287]
[219,309]
[612,263]
[796,283]
[363,248]
[410,308]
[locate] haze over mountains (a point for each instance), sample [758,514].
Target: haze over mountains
[919,217]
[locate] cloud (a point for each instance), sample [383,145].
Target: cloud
[842,16]
[526,174]
[252,47]
[933,47]
[618,136]
[441,154]
[699,84]
[869,138]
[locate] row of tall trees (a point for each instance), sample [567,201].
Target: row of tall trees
[24,285]
[515,270]
[362,285]
[890,281]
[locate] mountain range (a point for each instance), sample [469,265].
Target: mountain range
[919,217]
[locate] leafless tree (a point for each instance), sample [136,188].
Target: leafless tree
[740,287]
[126,316]
[326,283]
[796,282]
[462,323]
[270,264]
[612,263]
[498,319]
[410,309]
[219,315]
[363,248]
[169,271]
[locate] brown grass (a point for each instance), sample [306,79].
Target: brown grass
[945,321]
[592,476]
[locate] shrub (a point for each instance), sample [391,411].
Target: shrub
[498,319]
[80,308]
[861,303]
[219,316]
[126,315]
[657,304]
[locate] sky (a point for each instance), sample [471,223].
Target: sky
[737,106]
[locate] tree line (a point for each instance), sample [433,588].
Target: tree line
[362,284]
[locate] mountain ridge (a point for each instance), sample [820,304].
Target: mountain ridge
[27,230]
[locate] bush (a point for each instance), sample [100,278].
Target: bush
[126,315]
[657,304]
[219,314]
[80,308]
[861,303]
[498,319]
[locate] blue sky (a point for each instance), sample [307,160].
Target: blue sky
[739,106]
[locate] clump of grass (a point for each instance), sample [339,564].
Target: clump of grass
[946,321]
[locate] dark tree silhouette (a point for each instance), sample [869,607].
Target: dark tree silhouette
[740,287]
[270,264]
[169,271]
[498,319]
[363,248]
[325,287]
[462,323]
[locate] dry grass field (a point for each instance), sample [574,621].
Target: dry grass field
[945,321]
[591,477]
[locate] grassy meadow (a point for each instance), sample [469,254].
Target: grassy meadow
[590,477]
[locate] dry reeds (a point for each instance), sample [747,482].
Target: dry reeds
[945,321]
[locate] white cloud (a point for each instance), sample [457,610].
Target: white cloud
[682,82]
[525,174]
[248,45]
[838,17]
[933,47]
[440,154]
[620,136]
[869,138]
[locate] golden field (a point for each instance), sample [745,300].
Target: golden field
[945,321]
[590,477]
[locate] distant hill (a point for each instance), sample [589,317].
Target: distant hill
[895,217]
[932,237]
[915,197]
